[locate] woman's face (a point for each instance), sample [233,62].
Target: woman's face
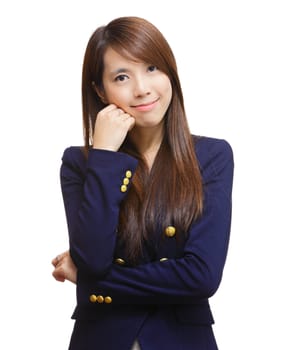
[140,89]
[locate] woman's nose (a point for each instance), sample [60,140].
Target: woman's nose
[141,87]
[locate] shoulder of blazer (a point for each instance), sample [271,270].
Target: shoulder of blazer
[212,154]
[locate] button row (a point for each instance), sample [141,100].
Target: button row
[170,231]
[125,181]
[100,299]
[122,262]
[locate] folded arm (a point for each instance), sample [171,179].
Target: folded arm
[198,272]
[92,192]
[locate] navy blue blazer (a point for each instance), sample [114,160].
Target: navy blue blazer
[162,302]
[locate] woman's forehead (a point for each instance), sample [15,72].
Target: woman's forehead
[115,60]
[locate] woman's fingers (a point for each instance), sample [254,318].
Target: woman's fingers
[58,258]
[111,128]
[64,268]
[58,274]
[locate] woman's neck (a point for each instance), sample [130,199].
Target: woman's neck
[147,141]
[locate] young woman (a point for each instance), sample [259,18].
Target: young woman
[148,205]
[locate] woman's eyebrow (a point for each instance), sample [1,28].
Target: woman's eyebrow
[120,70]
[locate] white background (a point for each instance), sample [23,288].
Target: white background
[230,56]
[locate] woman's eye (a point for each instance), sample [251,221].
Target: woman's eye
[121,77]
[152,68]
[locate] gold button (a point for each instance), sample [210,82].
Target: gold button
[93,298]
[108,300]
[123,188]
[163,259]
[125,181]
[119,261]
[100,299]
[128,174]
[170,231]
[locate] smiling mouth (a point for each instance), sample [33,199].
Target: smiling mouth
[146,106]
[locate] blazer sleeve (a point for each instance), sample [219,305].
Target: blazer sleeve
[197,274]
[92,191]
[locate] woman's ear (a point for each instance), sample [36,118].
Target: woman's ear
[100,92]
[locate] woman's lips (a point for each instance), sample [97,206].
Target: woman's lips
[145,107]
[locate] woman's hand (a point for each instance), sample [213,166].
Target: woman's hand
[64,268]
[111,127]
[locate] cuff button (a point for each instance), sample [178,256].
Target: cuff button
[128,174]
[123,188]
[100,299]
[125,181]
[93,298]
[108,300]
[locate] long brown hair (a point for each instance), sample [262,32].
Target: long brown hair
[171,194]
